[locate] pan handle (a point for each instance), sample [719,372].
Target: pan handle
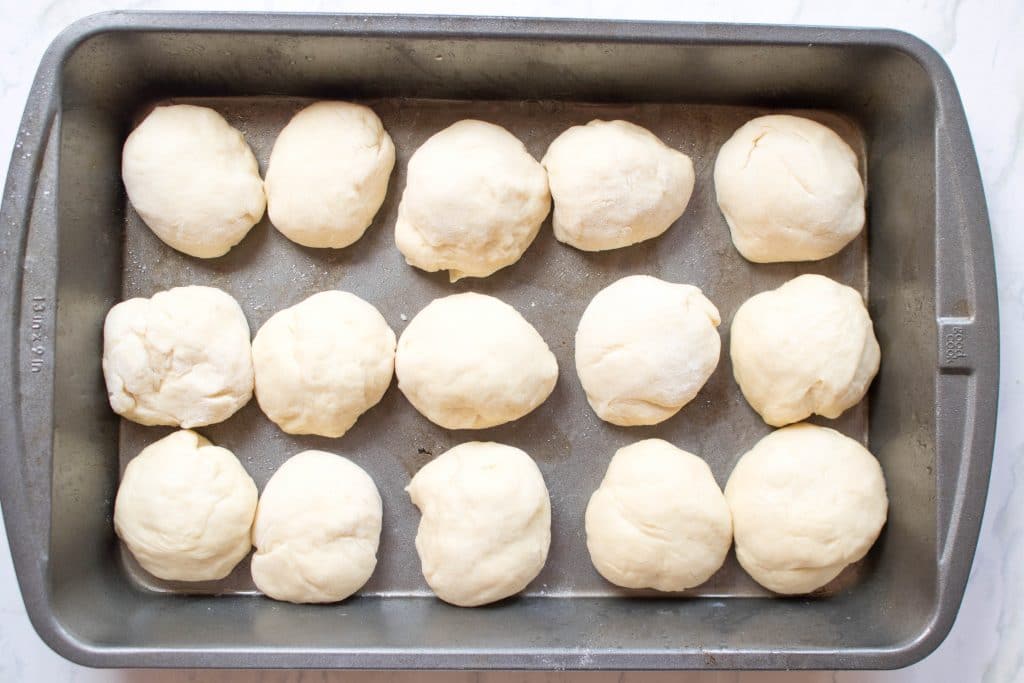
[967,322]
[27,339]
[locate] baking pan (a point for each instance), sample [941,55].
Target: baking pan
[72,247]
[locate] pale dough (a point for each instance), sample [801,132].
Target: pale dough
[474,200]
[322,363]
[790,190]
[644,348]
[615,184]
[806,347]
[181,358]
[806,501]
[658,520]
[470,361]
[184,509]
[193,179]
[317,529]
[328,174]
[486,522]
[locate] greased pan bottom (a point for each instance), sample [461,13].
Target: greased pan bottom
[551,286]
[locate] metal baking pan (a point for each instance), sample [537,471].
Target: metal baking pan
[71,247]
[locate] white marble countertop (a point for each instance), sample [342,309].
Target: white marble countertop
[983,41]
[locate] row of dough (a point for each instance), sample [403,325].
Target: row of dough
[802,504]
[644,349]
[789,188]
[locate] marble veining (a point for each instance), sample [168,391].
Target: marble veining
[981,40]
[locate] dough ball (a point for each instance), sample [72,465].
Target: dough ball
[181,358]
[486,523]
[806,501]
[317,529]
[806,347]
[193,179]
[474,200]
[790,190]
[615,184]
[322,363]
[470,361]
[644,348]
[184,509]
[658,519]
[328,174]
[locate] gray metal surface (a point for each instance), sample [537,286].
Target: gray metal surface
[550,286]
[72,247]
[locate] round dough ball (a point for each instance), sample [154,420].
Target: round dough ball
[322,363]
[184,509]
[615,184]
[644,348]
[328,174]
[317,529]
[193,179]
[473,201]
[181,358]
[790,190]
[806,501]
[806,347]
[470,361]
[486,523]
[658,520]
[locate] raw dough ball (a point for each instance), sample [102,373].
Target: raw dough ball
[470,361]
[193,179]
[806,347]
[790,190]
[322,363]
[184,509]
[328,174]
[615,184]
[644,348]
[473,202]
[317,529]
[658,519]
[486,523]
[181,358]
[806,501]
